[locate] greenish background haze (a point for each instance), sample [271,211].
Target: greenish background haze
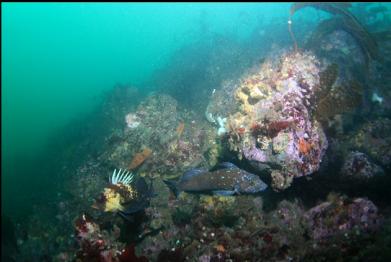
[58,59]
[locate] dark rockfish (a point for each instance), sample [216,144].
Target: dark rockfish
[227,180]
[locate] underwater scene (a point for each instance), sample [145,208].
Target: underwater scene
[196,132]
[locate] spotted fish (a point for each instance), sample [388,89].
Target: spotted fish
[228,179]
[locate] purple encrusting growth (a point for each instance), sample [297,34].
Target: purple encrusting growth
[276,105]
[357,165]
[255,154]
[332,218]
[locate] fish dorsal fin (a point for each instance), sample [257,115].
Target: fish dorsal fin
[224,192]
[193,173]
[226,165]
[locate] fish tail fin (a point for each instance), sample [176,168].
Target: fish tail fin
[172,185]
[152,192]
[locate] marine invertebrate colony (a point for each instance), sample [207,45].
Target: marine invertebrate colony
[276,130]
[340,215]
[132,120]
[96,244]
[358,166]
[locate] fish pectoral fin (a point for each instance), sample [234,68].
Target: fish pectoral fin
[173,186]
[224,192]
[237,189]
[125,216]
[225,165]
[136,206]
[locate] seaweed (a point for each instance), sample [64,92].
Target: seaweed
[365,40]
[333,8]
[345,21]
[327,79]
[336,8]
[382,35]
[339,99]
[330,100]
[182,217]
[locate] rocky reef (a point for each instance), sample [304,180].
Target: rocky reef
[166,140]
[341,215]
[274,129]
[297,115]
[215,228]
[374,138]
[358,166]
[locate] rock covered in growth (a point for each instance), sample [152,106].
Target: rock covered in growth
[287,217]
[95,245]
[274,128]
[221,210]
[374,138]
[358,166]
[174,139]
[238,228]
[101,245]
[340,215]
[222,102]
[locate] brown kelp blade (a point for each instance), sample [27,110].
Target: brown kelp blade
[340,99]
[347,22]
[336,8]
[333,8]
[364,39]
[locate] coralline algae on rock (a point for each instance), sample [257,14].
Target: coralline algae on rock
[340,215]
[358,166]
[274,128]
